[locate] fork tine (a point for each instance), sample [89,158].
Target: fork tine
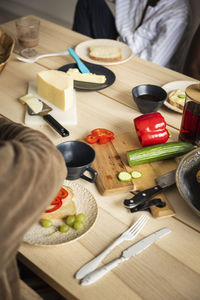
[141,218]
[139,225]
[136,227]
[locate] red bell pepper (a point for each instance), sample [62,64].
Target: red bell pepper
[151,129]
[100,135]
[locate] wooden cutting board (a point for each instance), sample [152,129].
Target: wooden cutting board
[111,159]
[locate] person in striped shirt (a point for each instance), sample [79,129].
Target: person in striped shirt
[155,30]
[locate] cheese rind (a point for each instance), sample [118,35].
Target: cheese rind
[56,87]
[88,77]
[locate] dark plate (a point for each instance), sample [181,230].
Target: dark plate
[96,69]
[186,180]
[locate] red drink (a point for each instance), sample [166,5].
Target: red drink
[190,127]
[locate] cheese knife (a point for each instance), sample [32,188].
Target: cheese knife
[163,182]
[80,64]
[126,254]
[49,119]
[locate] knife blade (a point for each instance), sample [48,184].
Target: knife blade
[163,182]
[126,254]
[85,85]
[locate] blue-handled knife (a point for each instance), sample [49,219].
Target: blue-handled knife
[80,64]
[126,254]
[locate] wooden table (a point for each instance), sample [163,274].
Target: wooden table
[169,269]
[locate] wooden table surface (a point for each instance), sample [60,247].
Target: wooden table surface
[169,269]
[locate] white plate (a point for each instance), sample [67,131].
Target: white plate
[174,85]
[82,50]
[85,203]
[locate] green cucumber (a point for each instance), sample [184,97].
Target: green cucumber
[136,174]
[158,152]
[124,176]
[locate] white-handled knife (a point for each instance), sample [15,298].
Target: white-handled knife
[126,254]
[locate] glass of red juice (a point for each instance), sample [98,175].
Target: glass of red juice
[190,126]
[27,29]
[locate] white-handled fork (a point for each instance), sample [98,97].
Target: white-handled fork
[34,59]
[129,234]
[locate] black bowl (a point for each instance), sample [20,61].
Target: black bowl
[148,97]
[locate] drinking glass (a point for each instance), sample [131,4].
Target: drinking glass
[190,125]
[27,29]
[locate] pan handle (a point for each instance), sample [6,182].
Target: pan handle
[57,126]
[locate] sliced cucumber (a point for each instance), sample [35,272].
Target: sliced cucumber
[136,174]
[124,176]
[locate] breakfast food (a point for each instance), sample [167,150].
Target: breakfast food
[105,53]
[198,176]
[56,87]
[177,98]
[34,104]
[63,205]
[88,77]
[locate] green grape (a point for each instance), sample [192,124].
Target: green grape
[64,228]
[70,220]
[81,218]
[78,225]
[46,223]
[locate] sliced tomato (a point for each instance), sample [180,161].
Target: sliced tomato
[102,132]
[91,138]
[56,203]
[63,193]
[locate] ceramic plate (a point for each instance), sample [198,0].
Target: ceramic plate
[82,50]
[96,69]
[85,202]
[174,85]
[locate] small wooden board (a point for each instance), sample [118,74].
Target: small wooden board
[111,159]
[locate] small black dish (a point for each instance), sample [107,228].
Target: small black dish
[148,97]
[78,157]
[96,69]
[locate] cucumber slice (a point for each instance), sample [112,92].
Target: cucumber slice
[124,176]
[136,174]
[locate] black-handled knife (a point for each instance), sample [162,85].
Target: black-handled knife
[163,182]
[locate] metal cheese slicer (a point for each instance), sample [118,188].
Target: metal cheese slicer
[49,119]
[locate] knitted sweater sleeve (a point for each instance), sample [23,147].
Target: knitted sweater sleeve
[32,171]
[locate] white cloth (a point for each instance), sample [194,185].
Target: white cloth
[162,36]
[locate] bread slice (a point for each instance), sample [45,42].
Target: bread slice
[87,77]
[68,207]
[177,98]
[105,53]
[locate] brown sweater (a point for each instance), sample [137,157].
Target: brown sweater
[32,171]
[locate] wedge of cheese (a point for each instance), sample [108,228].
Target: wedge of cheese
[56,87]
[88,77]
[34,104]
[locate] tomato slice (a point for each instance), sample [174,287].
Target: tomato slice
[103,132]
[91,138]
[63,193]
[56,203]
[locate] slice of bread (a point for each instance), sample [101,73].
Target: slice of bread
[105,53]
[87,77]
[177,98]
[68,207]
